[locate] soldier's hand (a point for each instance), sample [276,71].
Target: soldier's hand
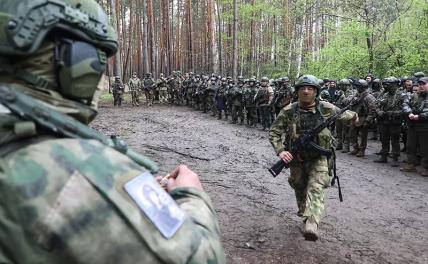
[182,176]
[286,156]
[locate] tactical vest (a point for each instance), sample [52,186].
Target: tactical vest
[303,121]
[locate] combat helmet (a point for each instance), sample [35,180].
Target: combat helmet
[308,80]
[77,31]
[264,79]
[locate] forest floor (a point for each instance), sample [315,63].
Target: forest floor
[383,218]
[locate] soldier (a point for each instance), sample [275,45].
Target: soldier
[415,110]
[344,95]
[263,99]
[376,90]
[283,95]
[134,85]
[211,92]
[236,102]
[202,93]
[309,171]
[117,91]
[148,86]
[162,86]
[389,117]
[68,193]
[364,104]
[229,96]
[250,92]
[220,97]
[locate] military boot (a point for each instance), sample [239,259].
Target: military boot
[382,159]
[311,230]
[345,149]
[360,153]
[408,168]
[354,152]
[395,162]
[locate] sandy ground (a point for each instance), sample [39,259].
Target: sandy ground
[383,218]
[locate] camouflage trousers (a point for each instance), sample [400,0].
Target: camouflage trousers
[135,98]
[309,179]
[163,95]
[343,133]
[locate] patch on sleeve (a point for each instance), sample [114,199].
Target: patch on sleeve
[156,204]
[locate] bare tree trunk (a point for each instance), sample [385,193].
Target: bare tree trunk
[219,44]
[151,34]
[190,35]
[235,40]
[117,70]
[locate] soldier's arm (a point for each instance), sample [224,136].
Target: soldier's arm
[199,208]
[270,91]
[345,116]
[407,108]
[278,128]
[371,105]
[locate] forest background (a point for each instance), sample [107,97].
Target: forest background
[327,38]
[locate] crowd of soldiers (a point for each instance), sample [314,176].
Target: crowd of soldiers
[385,107]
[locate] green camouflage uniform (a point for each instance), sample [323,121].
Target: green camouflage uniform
[134,86]
[117,89]
[310,177]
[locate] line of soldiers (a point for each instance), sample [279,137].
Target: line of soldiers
[380,104]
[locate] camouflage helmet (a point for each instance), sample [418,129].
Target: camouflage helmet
[253,80]
[264,79]
[391,82]
[26,23]
[419,74]
[223,79]
[344,82]
[285,79]
[308,80]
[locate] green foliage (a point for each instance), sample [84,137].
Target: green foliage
[401,48]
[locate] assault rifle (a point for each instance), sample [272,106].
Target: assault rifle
[306,142]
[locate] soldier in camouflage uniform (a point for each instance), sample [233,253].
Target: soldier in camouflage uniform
[68,193]
[236,94]
[389,117]
[134,85]
[415,109]
[250,92]
[211,92]
[283,95]
[202,93]
[117,90]
[162,86]
[149,87]
[220,97]
[309,171]
[343,127]
[264,99]
[364,104]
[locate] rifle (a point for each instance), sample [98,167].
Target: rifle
[306,142]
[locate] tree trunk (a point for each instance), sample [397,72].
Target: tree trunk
[235,40]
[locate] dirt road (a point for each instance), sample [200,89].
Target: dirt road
[383,218]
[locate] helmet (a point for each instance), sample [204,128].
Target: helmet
[148,75]
[223,79]
[308,80]
[82,41]
[252,80]
[344,82]
[264,79]
[361,85]
[419,74]
[116,78]
[26,23]
[285,79]
[390,82]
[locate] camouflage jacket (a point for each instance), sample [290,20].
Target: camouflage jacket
[294,121]
[134,84]
[389,108]
[117,88]
[416,104]
[365,107]
[63,201]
